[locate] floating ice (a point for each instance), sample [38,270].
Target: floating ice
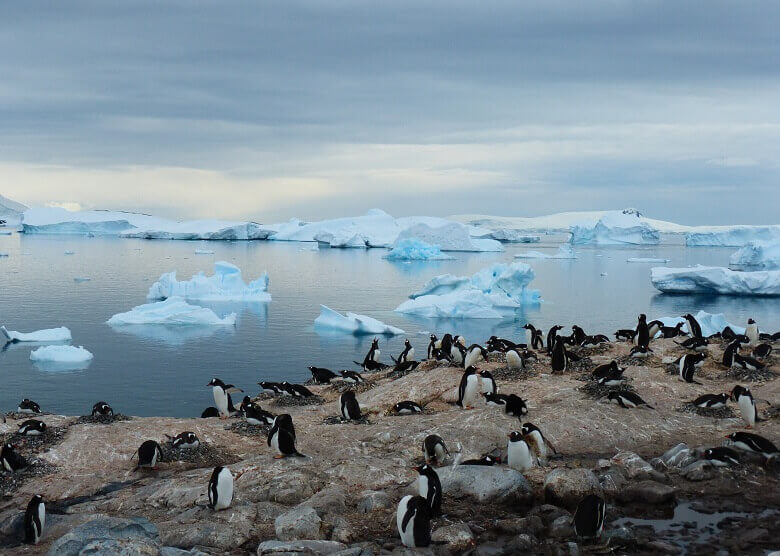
[79,279]
[60,334]
[646,260]
[204,252]
[616,228]
[508,235]
[3,254]
[344,239]
[70,252]
[225,285]
[757,255]
[565,251]
[731,236]
[415,250]
[61,354]
[451,236]
[6,232]
[716,280]
[173,310]
[11,211]
[352,323]
[710,323]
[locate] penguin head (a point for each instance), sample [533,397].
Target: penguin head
[247,401]
[612,396]
[375,343]
[433,337]
[311,368]
[216,382]
[751,321]
[515,436]
[528,428]
[642,317]
[407,343]
[37,498]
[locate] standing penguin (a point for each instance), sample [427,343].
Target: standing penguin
[518,453]
[694,328]
[434,449]
[642,337]
[350,408]
[469,388]
[589,516]
[752,332]
[746,404]
[220,488]
[728,354]
[282,437]
[432,347]
[551,335]
[487,383]
[373,353]
[407,354]
[514,360]
[222,393]
[429,487]
[560,358]
[474,353]
[149,453]
[34,520]
[10,460]
[688,364]
[534,437]
[414,521]
[533,336]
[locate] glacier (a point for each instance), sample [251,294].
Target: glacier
[710,323]
[352,323]
[625,227]
[757,255]
[61,354]
[174,311]
[731,236]
[225,285]
[565,251]
[715,280]
[61,334]
[415,250]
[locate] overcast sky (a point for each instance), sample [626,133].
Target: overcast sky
[267,110]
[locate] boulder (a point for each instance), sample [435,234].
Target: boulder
[635,467]
[135,535]
[649,492]
[457,537]
[331,501]
[697,471]
[371,500]
[561,528]
[300,547]
[566,487]
[486,484]
[301,522]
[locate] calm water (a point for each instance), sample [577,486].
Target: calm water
[155,370]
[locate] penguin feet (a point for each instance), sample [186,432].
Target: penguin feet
[278,456]
[223,417]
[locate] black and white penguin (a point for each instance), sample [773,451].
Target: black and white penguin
[445,344]
[551,335]
[185,440]
[533,336]
[407,407]
[613,377]
[589,516]
[577,335]
[728,334]
[10,460]
[687,366]
[711,401]
[608,370]
[721,456]
[474,354]
[429,487]
[593,341]
[34,520]
[728,354]
[254,414]
[414,521]
[373,352]
[625,334]
[672,331]
[220,488]
[432,347]
[407,354]
[405,367]
[514,359]
[322,375]
[518,453]
[696,343]
[32,427]
[434,449]
[350,408]
[370,365]
[273,387]
[497,400]
[28,406]
[746,404]
[515,406]
[296,390]
[751,331]
[487,383]
[102,408]
[222,393]
[747,363]
[149,454]
[560,358]
[750,442]
[627,399]
[642,337]
[353,377]
[458,354]
[640,352]
[209,412]
[762,350]
[282,437]
[536,440]
[487,460]
[469,388]
[694,328]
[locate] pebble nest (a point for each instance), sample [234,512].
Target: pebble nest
[516,374]
[342,386]
[651,361]
[205,455]
[719,413]
[595,350]
[595,390]
[745,375]
[26,444]
[101,419]
[10,482]
[583,364]
[244,428]
[398,374]
[338,420]
[293,401]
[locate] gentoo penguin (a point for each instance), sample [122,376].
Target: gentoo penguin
[751,331]
[518,453]
[209,412]
[728,354]
[536,440]
[589,516]
[551,335]
[432,347]
[185,440]
[560,359]
[593,341]
[34,520]
[610,369]
[750,442]
[322,375]
[352,377]
[721,456]
[32,427]
[625,334]
[434,449]
[254,414]
[747,362]
[577,335]
[711,401]
[429,487]
[282,437]
[274,387]
[762,350]
[102,408]
[627,399]
[370,365]
[533,337]
[469,388]
[688,366]
[10,460]
[220,488]
[474,353]
[28,406]
[514,360]
[445,344]
[405,367]
[728,334]
[487,383]
[696,343]
[458,354]
[407,407]
[373,352]
[614,377]
[642,337]
[350,408]
[672,331]
[515,406]
[484,460]
[149,453]
[296,390]
[407,354]
[498,400]
[694,329]
[640,352]
[221,393]
[746,404]
[414,521]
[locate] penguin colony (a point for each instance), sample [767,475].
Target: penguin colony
[526,447]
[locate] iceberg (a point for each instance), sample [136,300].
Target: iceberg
[61,354]
[731,236]
[204,252]
[60,334]
[565,251]
[415,250]
[710,323]
[646,260]
[495,292]
[715,280]
[757,255]
[175,311]
[451,236]
[616,228]
[225,285]
[344,239]
[11,211]
[508,235]
[352,323]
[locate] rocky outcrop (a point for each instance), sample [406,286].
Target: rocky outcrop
[566,487]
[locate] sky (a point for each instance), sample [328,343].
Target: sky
[316,109]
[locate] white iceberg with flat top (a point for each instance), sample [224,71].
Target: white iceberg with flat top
[509,235]
[626,227]
[710,323]
[757,255]
[174,311]
[731,236]
[225,285]
[715,280]
[416,250]
[61,354]
[451,236]
[61,334]
[565,251]
[352,323]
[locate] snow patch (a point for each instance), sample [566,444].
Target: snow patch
[757,255]
[352,323]
[716,280]
[225,285]
[61,334]
[565,251]
[416,250]
[616,228]
[173,310]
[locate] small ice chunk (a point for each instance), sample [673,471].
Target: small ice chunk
[352,323]
[60,334]
[79,279]
[173,310]
[61,354]
[225,285]
[565,251]
[3,254]
[413,249]
[204,252]
[70,252]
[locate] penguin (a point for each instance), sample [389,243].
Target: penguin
[282,437]
[474,353]
[432,347]
[628,399]
[762,350]
[373,352]
[10,460]
[728,334]
[469,388]
[484,460]
[589,516]
[445,345]
[209,412]
[501,345]
[746,404]
[34,520]
[254,414]
[593,341]
[353,377]
[625,334]
[534,337]
[487,383]
[560,359]
[640,352]
[498,400]
[610,369]
[515,406]
[518,453]
[688,367]
[614,377]
[751,331]
[321,375]
[407,407]
[514,360]
[747,363]
[458,354]
[696,343]
[32,427]
[536,440]
[28,406]
[672,331]
[434,449]
[728,354]
[273,387]
[414,521]
[350,408]
[371,365]
[694,329]
[296,390]
[721,456]
[551,335]
[642,338]
[222,393]
[220,488]
[405,367]
[577,335]
[185,440]
[149,454]
[711,401]
[750,442]
[102,408]
[407,354]
[429,487]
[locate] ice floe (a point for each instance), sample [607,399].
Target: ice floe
[757,255]
[172,311]
[625,227]
[731,236]
[415,250]
[61,354]
[61,334]
[204,252]
[646,260]
[225,285]
[352,323]
[565,251]
[716,280]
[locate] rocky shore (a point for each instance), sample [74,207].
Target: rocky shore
[341,499]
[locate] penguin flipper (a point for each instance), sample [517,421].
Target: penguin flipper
[394,360]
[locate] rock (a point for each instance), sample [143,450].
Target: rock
[294,487]
[329,501]
[561,528]
[620,535]
[663,547]
[612,481]
[302,522]
[300,547]
[635,467]
[136,535]
[372,500]
[486,484]
[173,551]
[647,491]
[342,531]
[566,487]
[522,543]
[548,513]
[697,471]
[673,456]
[532,525]
[457,537]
